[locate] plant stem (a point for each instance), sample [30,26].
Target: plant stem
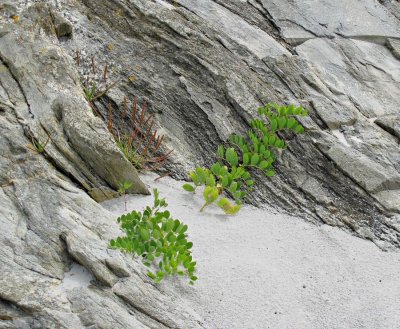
[102,93]
[204,205]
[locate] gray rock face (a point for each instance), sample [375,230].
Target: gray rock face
[204,67]
[53,106]
[48,221]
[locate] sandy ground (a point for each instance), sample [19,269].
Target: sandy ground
[264,270]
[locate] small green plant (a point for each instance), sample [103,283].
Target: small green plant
[123,187]
[90,92]
[93,79]
[38,146]
[230,175]
[158,239]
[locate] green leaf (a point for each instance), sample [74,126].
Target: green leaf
[225,181]
[227,206]
[233,210]
[215,168]
[210,194]
[290,109]
[169,225]
[151,275]
[188,187]
[233,187]
[176,225]
[184,229]
[210,181]
[223,202]
[201,174]
[221,151]
[282,122]
[270,173]
[299,129]
[194,178]
[250,182]
[171,238]
[156,234]
[274,124]
[272,139]
[246,158]
[145,233]
[263,165]
[246,175]
[232,157]
[291,123]
[255,159]
[279,143]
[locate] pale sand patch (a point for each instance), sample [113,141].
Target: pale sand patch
[265,270]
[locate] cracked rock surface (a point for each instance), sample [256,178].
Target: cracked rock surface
[203,67]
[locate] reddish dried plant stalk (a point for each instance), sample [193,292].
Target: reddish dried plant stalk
[105,71]
[124,113]
[78,58]
[110,121]
[144,141]
[93,66]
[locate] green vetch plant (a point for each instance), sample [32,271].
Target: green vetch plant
[231,174]
[123,187]
[159,239]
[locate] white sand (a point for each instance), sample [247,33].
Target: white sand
[264,270]
[76,277]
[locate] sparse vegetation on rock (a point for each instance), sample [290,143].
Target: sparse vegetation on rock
[231,174]
[142,146]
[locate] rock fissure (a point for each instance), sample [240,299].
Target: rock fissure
[145,312]
[9,69]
